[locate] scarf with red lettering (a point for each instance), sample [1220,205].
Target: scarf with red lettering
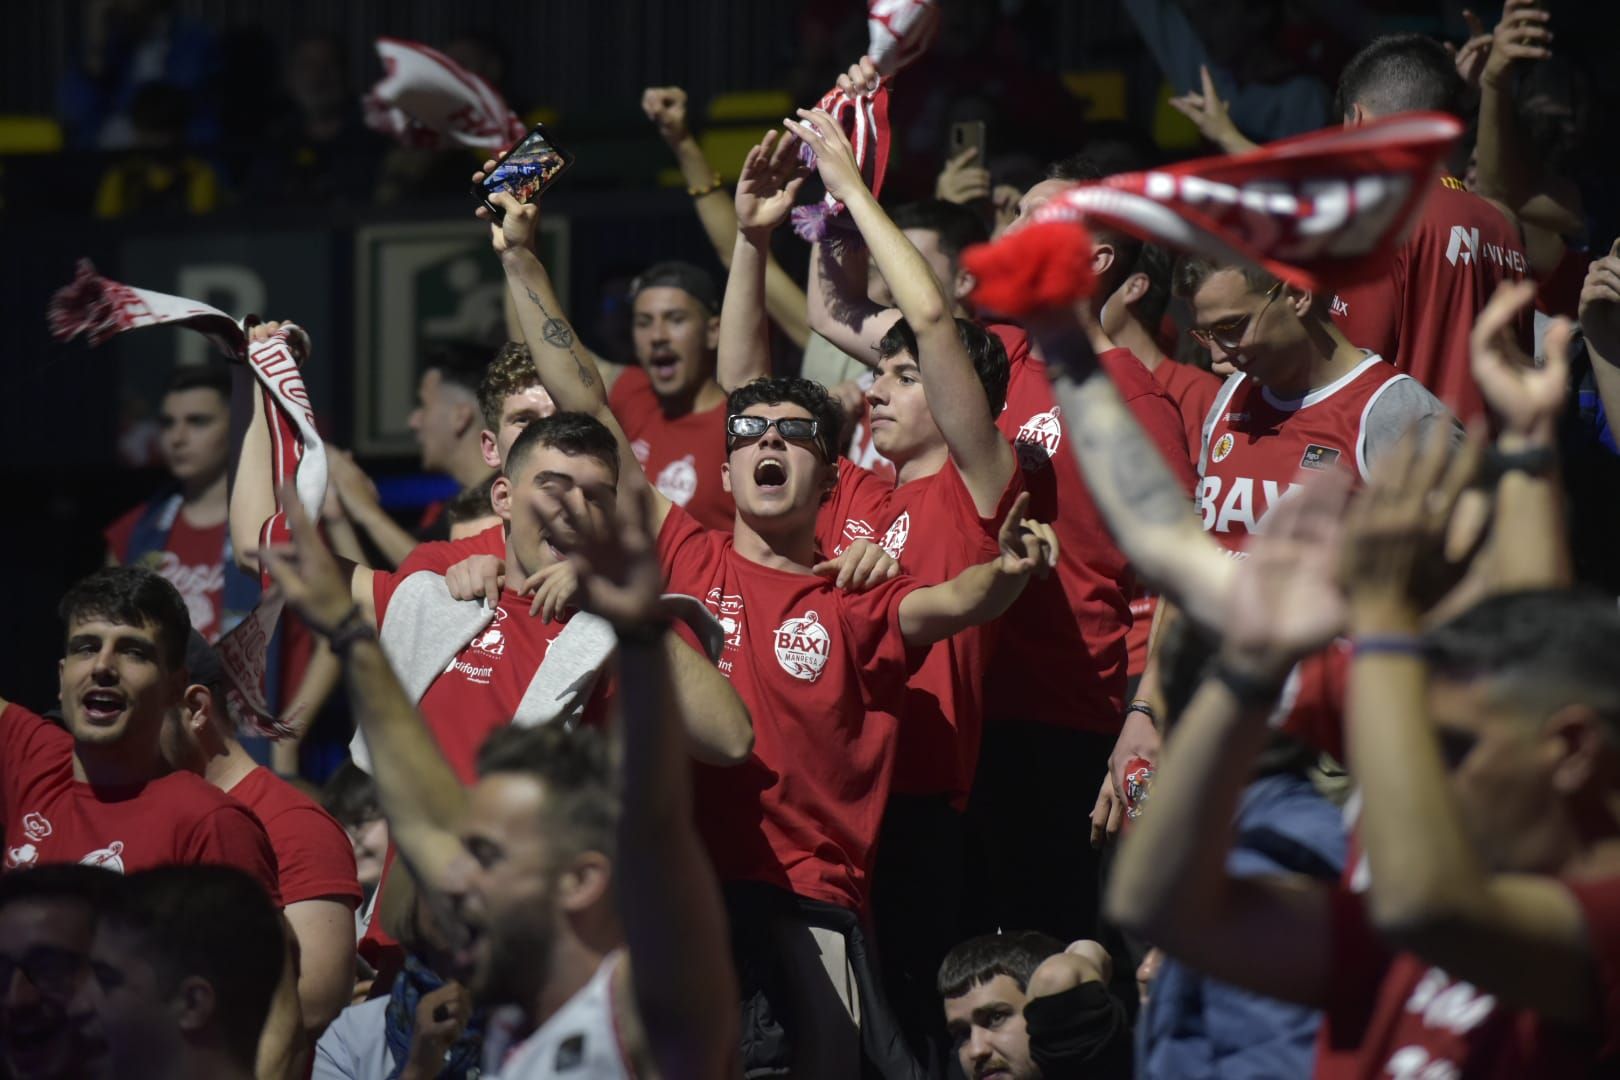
[899,31]
[99,309]
[1324,209]
[429,101]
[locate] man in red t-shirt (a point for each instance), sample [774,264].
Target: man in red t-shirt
[670,404]
[1481,935]
[101,793]
[181,534]
[1462,246]
[822,671]
[314,858]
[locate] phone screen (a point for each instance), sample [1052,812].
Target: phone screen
[527,170]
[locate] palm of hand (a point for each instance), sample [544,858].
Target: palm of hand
[1284,600]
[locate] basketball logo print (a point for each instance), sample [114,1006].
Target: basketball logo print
[1038,439]
[802,647]
[894,541]
[1223,446]
[678,481]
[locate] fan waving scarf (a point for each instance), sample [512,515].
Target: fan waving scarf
[899,31]
[1324,209]
[428,100]
[99,309]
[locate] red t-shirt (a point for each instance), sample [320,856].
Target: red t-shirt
[933,529]
[180,818]
[823,673]
[1395,1015]
[1193,390]
[1060,657]
[1420,314]
[440,555]
[487,679]
[681,455]
[192,560]
[314,857]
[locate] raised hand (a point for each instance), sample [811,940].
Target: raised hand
[1470,59]
[771,177]
[617,565]
[1394,552]
[665,106]
[1600,306]
[1285,602]
[861,78]
[441,1017]
[307,573]
[1210,114]
[1027,546]
[835,157]
[1527,399]
[1521,35]
[514,232]
[859,567]
[963,179]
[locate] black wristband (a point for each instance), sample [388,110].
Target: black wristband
[1536,461]
[1250,692]
[350,629]
[1145,709]
[645,634]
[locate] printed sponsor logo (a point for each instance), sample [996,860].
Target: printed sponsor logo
[36,826]
[802,647]
[1319,457]
[1222,447]
[110,857]
[729,610]
[1039,438]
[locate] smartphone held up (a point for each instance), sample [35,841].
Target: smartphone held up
[525,171]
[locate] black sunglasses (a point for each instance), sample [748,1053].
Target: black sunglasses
[792,428]
[54,972]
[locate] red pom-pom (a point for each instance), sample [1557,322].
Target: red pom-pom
[1040,266]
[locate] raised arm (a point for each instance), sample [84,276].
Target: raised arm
[1521,937]
[567,369]
[955,395]
[983,592]
[680,953]
[785,302]
[419,793]
[771,177]
[1145,506]
[1170,884]
[1529,544]
[839,308]
[1600,324]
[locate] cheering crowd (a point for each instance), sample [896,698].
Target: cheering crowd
[1078,655]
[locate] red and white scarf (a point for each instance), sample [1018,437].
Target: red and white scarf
[899,31]
[428,100]
[99,309]
[865,119]
[1325,209]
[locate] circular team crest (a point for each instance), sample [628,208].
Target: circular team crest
[110,857]
[678,481]
[1222,447]
[894,541]
[802,647]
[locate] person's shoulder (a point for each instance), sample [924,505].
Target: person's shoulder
[272,798]
[118,533]
[1130,376]
[632,390]
[439,556]
[1451,205]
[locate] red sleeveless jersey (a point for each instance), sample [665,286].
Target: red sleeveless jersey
[1256,444]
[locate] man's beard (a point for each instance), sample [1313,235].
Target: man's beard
[519,959]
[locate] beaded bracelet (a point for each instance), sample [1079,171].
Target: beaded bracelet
[714,185]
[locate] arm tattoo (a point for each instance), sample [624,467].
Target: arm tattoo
[1142,484]
[556,334]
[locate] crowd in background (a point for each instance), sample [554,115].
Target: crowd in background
[1209,676]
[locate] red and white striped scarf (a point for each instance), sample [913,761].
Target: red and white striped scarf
[1318,210]
[428,100]
[99,309]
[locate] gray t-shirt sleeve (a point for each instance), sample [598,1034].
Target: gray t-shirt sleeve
[1404,404]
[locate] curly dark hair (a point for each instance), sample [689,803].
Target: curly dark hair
[511,372]
[131,596]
